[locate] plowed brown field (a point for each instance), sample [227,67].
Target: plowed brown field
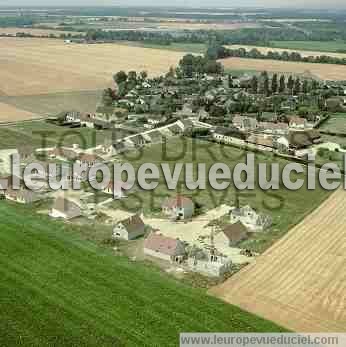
[10,113]
[300,282]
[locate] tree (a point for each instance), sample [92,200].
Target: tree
[120,77]
[144,75]
[282,84]
[107,97]
[254,85]
[296,89]
[305,86]
[290,84]
[266,90]
[132,76]
[275,83]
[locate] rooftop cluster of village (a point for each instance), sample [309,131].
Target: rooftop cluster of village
[265,113]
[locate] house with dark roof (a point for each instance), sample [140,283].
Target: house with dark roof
[66,209]
[231,234]
[178,208]
[166,248]
[129,229]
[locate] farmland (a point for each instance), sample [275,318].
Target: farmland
[335,124]
[51,104]
[31,66]
[300,282]
[304,53]
[53,282]
[322,71]
[11,113]
[286,207]
[33,132]
[36,32]
[320,46]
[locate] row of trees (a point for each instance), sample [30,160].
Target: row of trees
[220,52]
[265,85]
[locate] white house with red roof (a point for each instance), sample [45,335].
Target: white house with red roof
[179,207]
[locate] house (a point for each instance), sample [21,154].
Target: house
[22,196]
[136,141]
[154,121]
[244,123]
[26,152]
[250,218]
[66,209]
[296,122]
[228,135]
[166,248]
[273,128]
[63,153]
[178,208]
[262,142]
[89,159]
[87,120]
[117,189]
[282,144]
[129,229]
[231,234]
[72,117]
[6,159]
[208,263]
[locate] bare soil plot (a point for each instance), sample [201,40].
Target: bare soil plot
[300,282]
[265,50]
[10,113]
[322,71]
[42,66]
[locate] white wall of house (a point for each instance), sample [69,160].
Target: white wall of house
[152,253]
[57,214]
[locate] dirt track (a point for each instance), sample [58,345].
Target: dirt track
[300,282]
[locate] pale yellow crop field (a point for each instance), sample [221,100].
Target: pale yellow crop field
[36,32]
[322,71]
[300,282]
[42,66]
[10,113]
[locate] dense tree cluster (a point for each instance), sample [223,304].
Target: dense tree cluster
[191,65]
[219,52]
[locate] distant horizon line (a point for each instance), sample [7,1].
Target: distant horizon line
[235,8]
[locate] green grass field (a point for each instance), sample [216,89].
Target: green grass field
[336,123]
[58,289]
[287,208]
[51,104]
[33,132]
[323,46]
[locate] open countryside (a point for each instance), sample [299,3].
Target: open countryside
[304,53]
[300,282]
[322,71]
[31,66]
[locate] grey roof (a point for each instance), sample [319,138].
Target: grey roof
[68,207]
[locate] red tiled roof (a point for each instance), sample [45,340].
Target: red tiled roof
[161,244]
[179,201]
